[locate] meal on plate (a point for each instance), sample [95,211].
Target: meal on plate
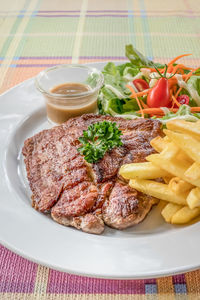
[143,146]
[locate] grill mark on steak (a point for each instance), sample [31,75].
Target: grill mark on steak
[76,201]
[108,167]
[126,206]
[79,194]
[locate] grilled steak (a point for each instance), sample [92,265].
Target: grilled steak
[82,195]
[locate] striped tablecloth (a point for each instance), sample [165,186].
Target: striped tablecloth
[35,34]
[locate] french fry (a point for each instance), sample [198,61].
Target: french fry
[158,143]
[170,151]
[167,179]
[158,190]
[184,157]
[163,144]
[169,210]
[185,215]
[193,172]
[173,166]
[193,198]
[166,139]
[145,170]
[188,144]
[178,185]
[193,129]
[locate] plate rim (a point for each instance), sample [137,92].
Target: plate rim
[14,249]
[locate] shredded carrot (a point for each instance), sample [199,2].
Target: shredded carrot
[180,68]
[143,93]
[175,101]
[139,94]
[159,111]
[195,109]
[172,81]
[176,58]
[187,76]
[152,111]
[183,67]
[174,69]
[170,68]
[177,68]
[138,102]
[144,104]
[174,89]
[154,70]
[134,95]
[178,92]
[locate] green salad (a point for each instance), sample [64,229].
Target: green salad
[143,88]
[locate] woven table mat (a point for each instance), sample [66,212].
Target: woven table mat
[38,34]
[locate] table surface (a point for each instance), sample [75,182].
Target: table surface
[38,34]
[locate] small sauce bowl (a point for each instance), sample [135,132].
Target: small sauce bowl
[69,91]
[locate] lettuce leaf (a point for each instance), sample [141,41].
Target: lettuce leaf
[194,82]
[137,58]
[111,69]
[121,106]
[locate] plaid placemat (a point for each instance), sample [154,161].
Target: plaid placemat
[35,34]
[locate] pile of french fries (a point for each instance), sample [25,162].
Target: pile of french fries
[178,164]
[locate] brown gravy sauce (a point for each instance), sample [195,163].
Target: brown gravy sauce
[60,110]
[70,88]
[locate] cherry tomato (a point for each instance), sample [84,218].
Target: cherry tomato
[140,84]
[159,95]
[183,99]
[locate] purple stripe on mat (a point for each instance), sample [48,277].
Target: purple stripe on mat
[62,283]
[114,16]
[99,11]
[69,57]
[31,65]
[43,57]
[179,279]
[73,16]
[17,275]
[89,11]
[58,11]
[107,10]
[57,16]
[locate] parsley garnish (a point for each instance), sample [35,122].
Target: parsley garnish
[98,139]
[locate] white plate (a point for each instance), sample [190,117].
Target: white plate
[150,249]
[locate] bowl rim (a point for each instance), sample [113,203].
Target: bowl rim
[65,66]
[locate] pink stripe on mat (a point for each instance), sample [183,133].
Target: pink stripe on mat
[60,282]
[17,275]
